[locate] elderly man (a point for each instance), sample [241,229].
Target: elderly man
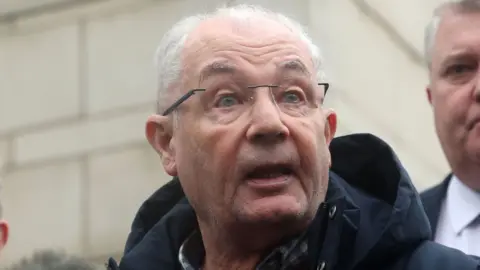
[453,54]
[242,128]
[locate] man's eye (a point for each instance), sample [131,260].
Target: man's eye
[226,101]
[459,69]
[292,97]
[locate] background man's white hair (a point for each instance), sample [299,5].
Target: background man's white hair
[168,54]
[432,27]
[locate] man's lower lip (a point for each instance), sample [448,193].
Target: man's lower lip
[270,183]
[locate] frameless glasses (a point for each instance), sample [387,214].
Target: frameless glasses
[227,103]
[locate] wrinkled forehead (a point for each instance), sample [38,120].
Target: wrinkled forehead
[458,35]
[256,40]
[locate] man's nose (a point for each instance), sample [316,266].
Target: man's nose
[266,125]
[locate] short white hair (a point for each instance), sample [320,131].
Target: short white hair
[168,54]
[432,27]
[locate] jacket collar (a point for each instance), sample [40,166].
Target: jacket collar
[432,200]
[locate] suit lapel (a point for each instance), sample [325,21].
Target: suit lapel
[432,200]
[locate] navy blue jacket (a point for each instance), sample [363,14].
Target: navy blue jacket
[432,200]
[379,222]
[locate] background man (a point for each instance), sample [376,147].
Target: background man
[242,127]
[453,52]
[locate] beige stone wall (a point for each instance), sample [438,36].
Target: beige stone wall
[77,84]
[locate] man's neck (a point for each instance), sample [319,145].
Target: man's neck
[469,176]
[225,263]
[467,170]
[230,249]
[226,253]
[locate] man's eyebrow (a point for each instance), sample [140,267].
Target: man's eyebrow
[216,68]
[294,65]
[457,55]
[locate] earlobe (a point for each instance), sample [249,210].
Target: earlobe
[429,94]
[159,133]
[330,130]
[330,125]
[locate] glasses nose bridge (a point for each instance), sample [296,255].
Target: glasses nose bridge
[253,92]
[259,105]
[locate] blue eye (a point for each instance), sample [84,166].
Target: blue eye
[291,97]
[227,101]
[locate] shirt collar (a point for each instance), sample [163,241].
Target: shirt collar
[291,254]
[463,204]
[192,253]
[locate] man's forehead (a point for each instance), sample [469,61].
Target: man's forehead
[454,22]
[458,33]
[224,66]
[227,35]
[217,26]
[252,32]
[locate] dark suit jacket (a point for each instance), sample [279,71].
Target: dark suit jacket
[432,200]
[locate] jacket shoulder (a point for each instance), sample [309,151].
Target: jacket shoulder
[430,255]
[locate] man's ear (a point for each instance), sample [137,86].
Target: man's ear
[4,231]
[428,90]
[330,125]
[329,130]
[159,132]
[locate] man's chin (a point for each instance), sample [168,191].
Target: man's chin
[274,209]
[473,149]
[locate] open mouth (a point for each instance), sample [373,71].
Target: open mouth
[271,171]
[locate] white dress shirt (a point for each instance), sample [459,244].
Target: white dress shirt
[459,223]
